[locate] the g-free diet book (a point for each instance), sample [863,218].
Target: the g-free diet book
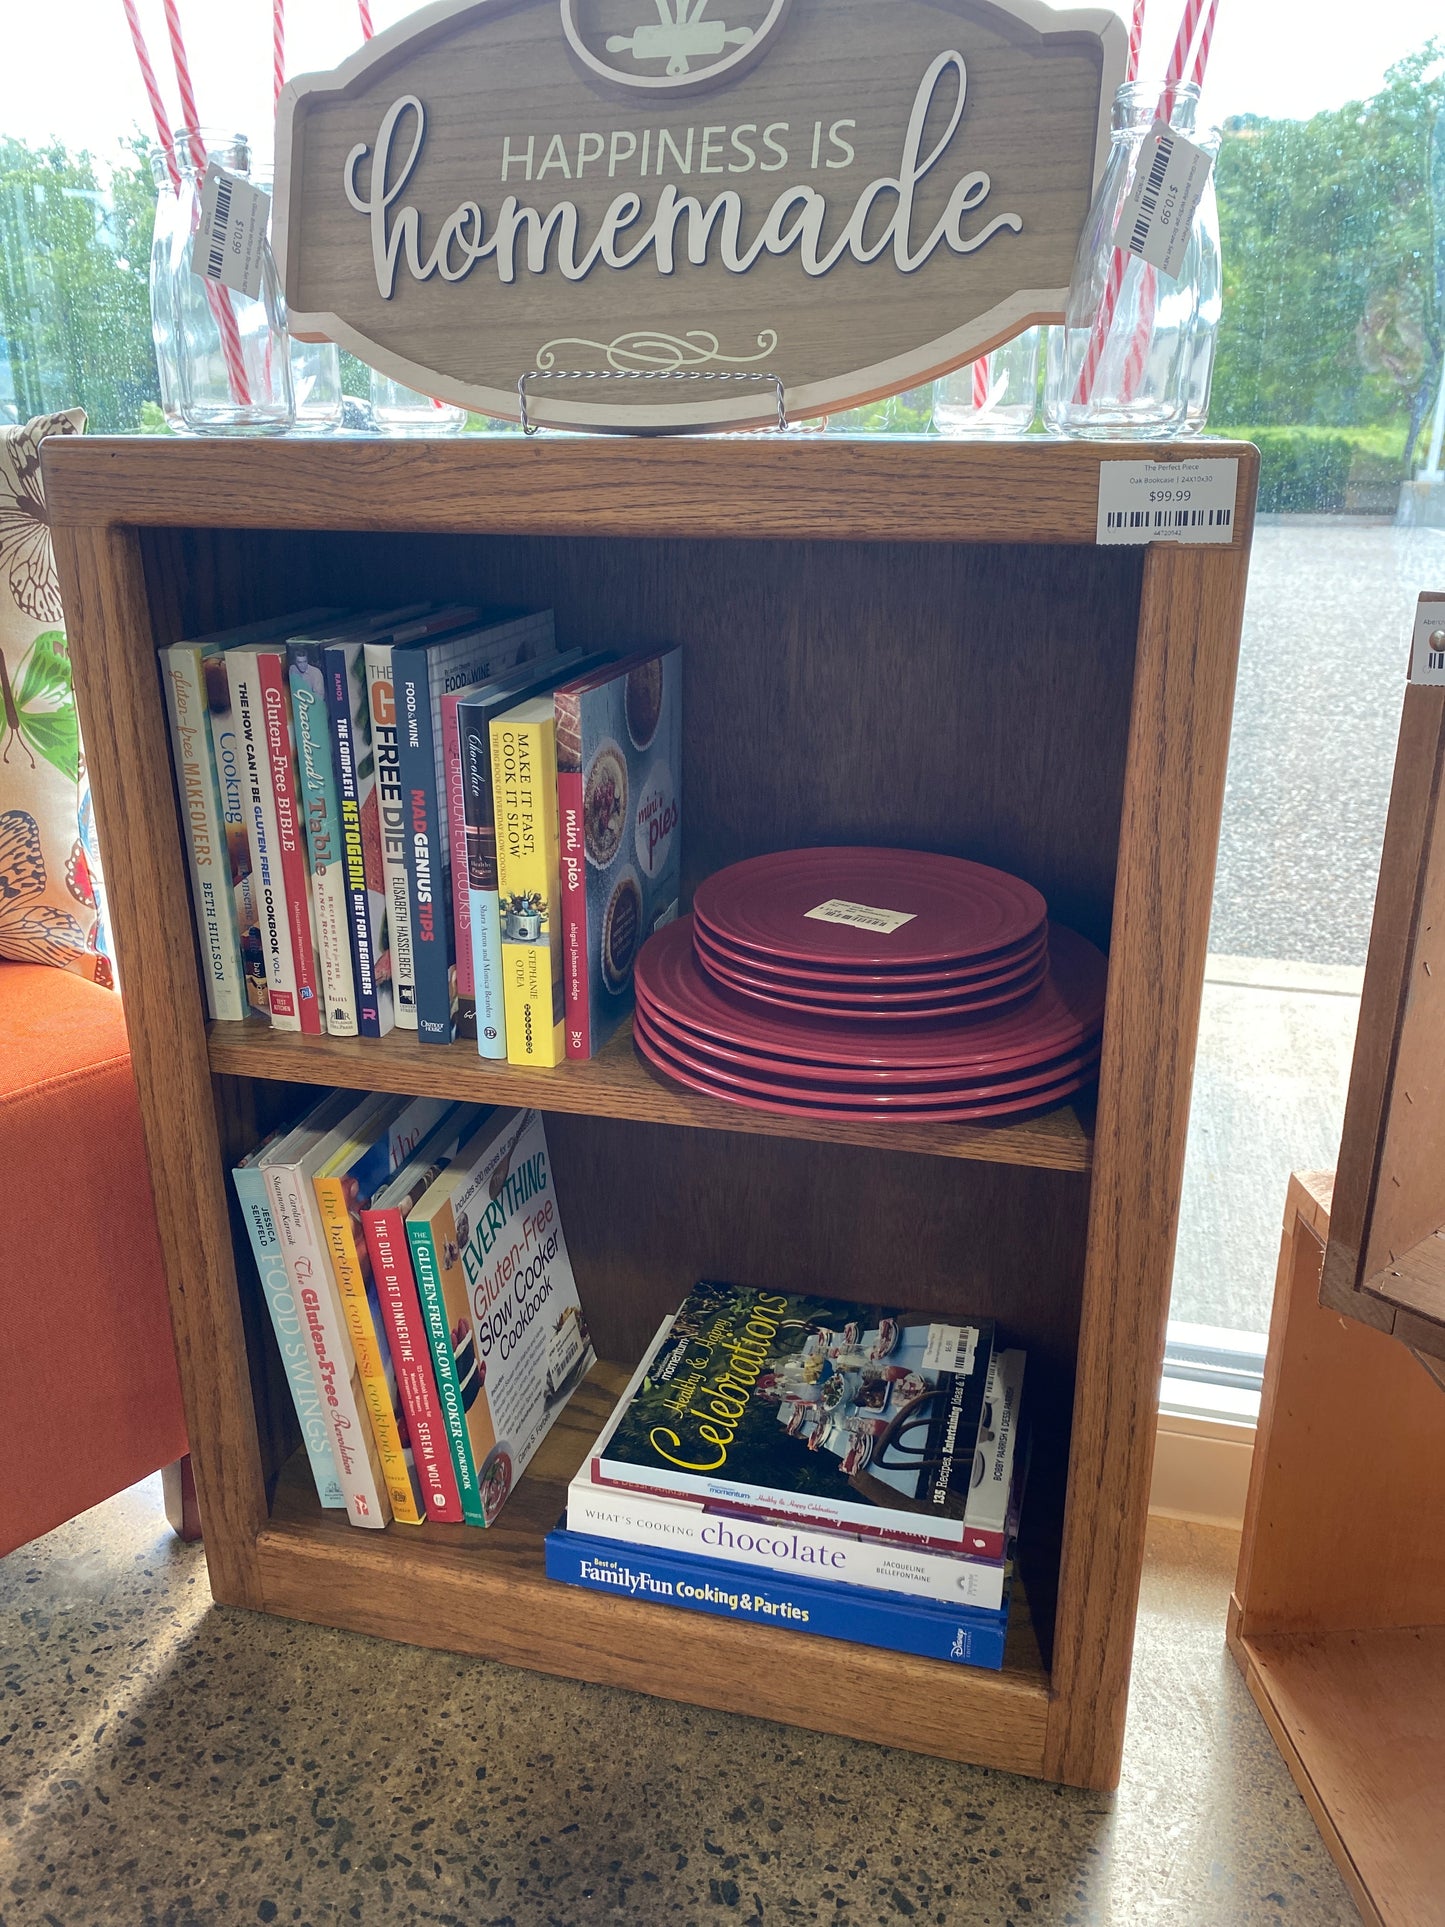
[619,793]
[810,1409]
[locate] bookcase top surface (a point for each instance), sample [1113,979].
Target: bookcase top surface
[804,487]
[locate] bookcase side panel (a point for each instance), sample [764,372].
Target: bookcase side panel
[112,648]
[1189,628]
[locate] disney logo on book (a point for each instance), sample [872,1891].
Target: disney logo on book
[691,46]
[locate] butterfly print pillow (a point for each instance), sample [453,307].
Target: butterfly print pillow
[47,892]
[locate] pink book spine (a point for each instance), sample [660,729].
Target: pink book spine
[295,871]
[457,843]
[574,915]
[411,1360]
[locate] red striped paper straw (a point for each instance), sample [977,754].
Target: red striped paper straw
[1118,263]
[278,46]
[980,382]
[1136,40]
[1206,39]
[219,299]
[153,92]
[363,7]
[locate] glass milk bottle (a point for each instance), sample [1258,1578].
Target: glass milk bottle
[315,368]
[1138,385]
[1199,379]
[994,397]
[233,356]
[398,410]
[163,308]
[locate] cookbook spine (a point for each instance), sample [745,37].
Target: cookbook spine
[455,808]
[366,1342]
[290,1332]
[524,783]
[213,902]
[370,1006]
[729,1591]
[411,1360]
[260,800]
[639,1519]
[352,1441]
[476,858]
[576,980]
[434,1314]
[431,933]
[227,749]
[391,816]
[323,841]
[295,874]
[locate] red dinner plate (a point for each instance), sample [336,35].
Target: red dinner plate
[956,911]
[905,1098]
[995,1111]
[879,1010]
[870,985]
[1063,1014]
[673,1036]
[841,977]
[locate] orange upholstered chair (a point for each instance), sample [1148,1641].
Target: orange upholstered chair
[90,1398]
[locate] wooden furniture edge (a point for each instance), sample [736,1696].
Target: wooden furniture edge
[813,488]
[123,726]
[1353,1255]
[1190,616]
[955,1713]
[1247,1653]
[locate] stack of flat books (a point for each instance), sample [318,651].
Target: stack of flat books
[803,1462]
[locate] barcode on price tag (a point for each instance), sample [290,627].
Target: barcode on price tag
[1427,654]
[230,241]
[1158,212]
[1186,501]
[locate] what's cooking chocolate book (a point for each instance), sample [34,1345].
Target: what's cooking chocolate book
[810,1409]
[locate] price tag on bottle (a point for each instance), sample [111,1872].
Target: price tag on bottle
[1185,501]
[230,241]
[1158,213]
[1427,655]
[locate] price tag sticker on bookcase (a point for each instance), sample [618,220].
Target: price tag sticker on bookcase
[1427,655]
[1187,501]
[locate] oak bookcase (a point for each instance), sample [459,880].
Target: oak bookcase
[904,643]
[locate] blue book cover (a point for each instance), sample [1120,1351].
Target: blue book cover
[932,1631]
[422,673]
[290,1332]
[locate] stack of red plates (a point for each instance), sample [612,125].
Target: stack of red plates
[856,982]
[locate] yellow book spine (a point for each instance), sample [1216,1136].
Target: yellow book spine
[346,1267]
[524,785]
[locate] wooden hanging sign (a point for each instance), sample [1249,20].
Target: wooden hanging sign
[853,195]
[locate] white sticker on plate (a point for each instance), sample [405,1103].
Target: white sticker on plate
[862,915]
[1186,501]
[1158,213]
[230,242]
[1427,656]
[950,1348]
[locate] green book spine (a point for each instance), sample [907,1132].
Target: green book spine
[434,1312]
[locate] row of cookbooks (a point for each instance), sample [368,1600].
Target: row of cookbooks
[778,1459]
[426,817]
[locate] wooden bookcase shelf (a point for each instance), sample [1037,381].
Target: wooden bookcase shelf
[618,1083]
[906,644]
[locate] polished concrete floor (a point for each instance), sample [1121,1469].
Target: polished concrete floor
[164,1763]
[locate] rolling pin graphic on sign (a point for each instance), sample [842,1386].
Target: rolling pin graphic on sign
[681,35]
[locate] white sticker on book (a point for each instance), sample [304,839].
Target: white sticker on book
[230,242]
[1427,654]
[1157,217]
[950,1348]
[862,916]
[1192,500]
